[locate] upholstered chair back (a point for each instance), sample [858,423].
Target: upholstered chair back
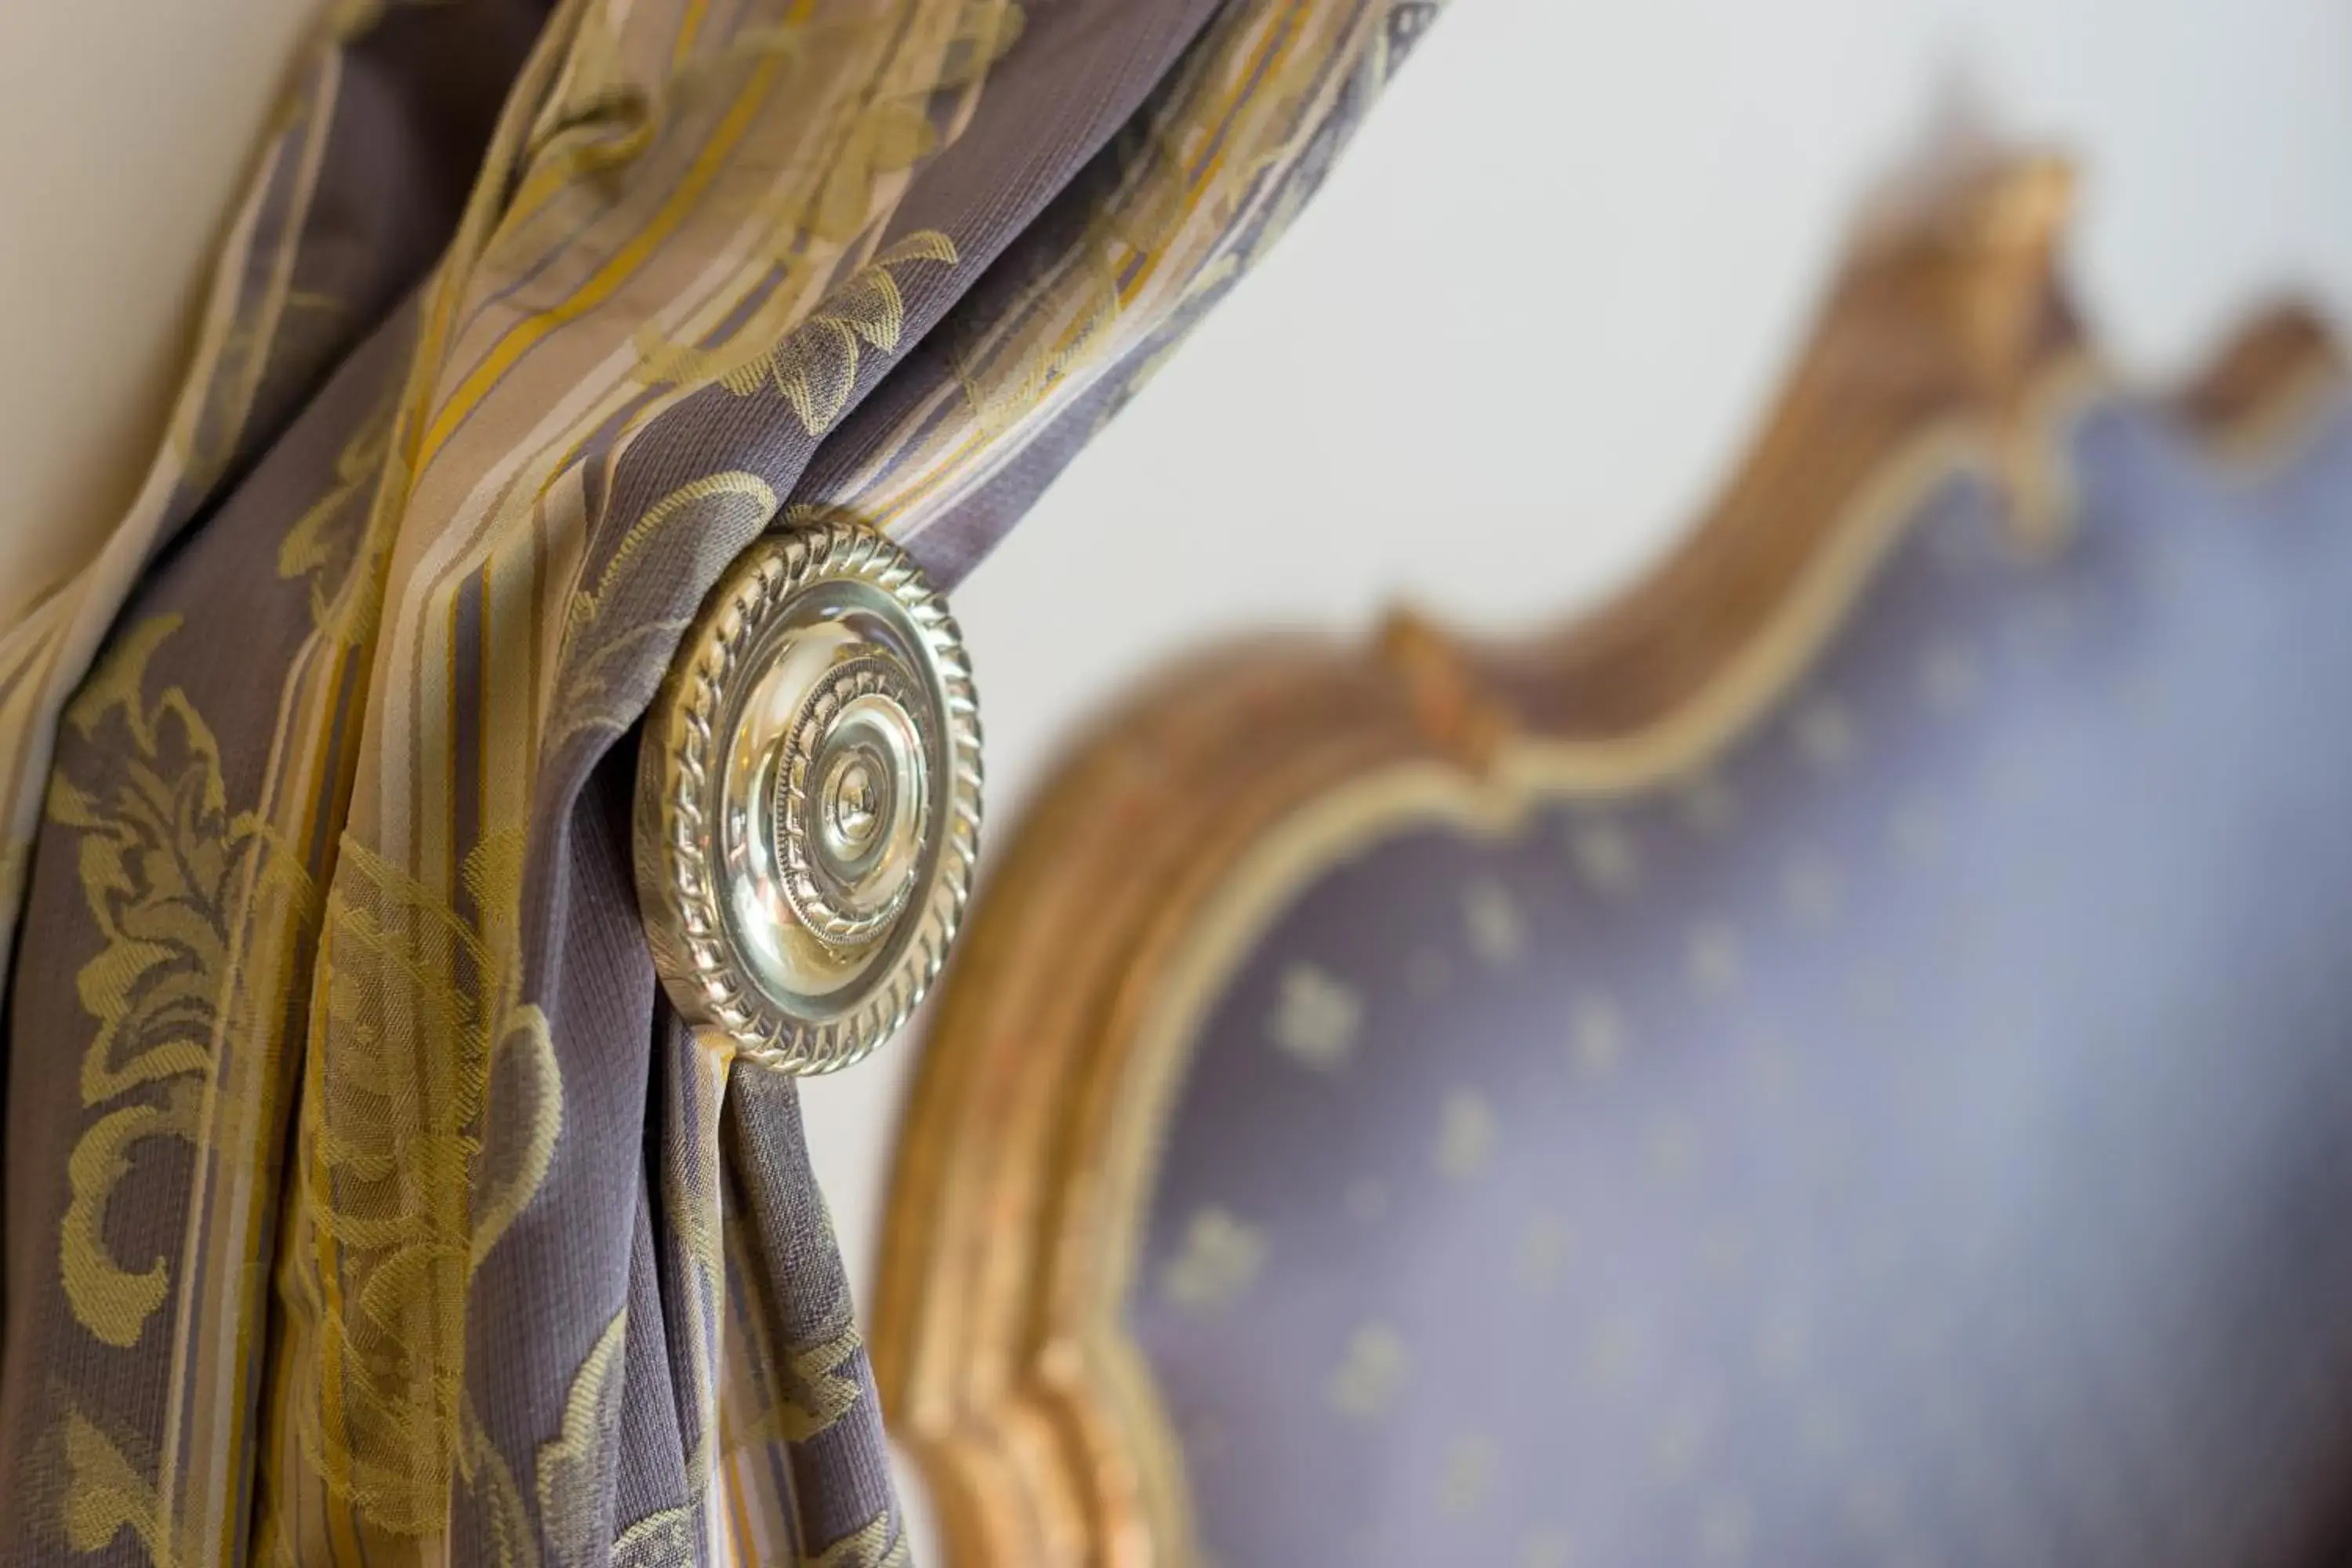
[1919,1134]
[1842,1058]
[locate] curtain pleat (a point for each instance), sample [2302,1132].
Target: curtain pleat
[363,1200]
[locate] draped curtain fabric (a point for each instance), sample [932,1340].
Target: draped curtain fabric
[363,1200]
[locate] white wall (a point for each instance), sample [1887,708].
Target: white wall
[1529,323]
[126,127]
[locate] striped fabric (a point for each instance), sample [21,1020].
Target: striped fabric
[363,1201]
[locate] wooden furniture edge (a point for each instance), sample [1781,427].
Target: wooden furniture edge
[1024,1159]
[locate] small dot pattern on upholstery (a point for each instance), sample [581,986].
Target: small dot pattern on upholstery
[1921,1136]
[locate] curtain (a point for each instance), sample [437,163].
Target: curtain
[363,1200]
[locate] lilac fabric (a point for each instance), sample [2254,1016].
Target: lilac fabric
[1921,1139]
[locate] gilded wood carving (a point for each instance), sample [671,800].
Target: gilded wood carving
[1165,843]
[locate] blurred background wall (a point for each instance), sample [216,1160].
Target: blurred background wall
[125,130]
[1491,372]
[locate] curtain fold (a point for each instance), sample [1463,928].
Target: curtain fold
[363,1200]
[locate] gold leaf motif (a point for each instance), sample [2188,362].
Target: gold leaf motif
[606,683]
[1612,1348]
[1548,1548]
[1712,961]
[1316,1018]
[1371,1374]
[663,1540]
[1674,1445]
[1822,1427]
[1707,803]
[1825,734]
[821,1392]
[1949,678]
[1465,1135]
[1170,209]
[106,1494]
[1073,322]
[1605,856]
[1772,1066]
[574,1467]
[323,540]
[879,1544]
[1728,1248]
[1781,1341]
[1725,1530]
[986,34]
[1872,1505]
[1221,1260]
[1916,828]
[1467,1479]
[166,870]
[1497,931]
[885,135]
[1543,1252]
[754,496]
[1597,1034]
[890,135]
[533,1100]
[1809,887]
[489,1481]
[1673,1148]
[110,1300]
[813,365]
[421,1011]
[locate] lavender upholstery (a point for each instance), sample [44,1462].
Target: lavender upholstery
[1923,1138]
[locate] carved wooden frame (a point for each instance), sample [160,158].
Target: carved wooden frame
[1026,1157]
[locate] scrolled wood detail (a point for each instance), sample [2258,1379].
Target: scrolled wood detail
[1025,1159]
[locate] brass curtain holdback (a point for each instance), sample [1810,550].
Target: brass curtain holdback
[808,799]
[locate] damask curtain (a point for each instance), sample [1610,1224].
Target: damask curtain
[364,1202]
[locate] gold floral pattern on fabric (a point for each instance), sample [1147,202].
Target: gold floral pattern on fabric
[326,1094]
[393,1175]
[178,884]
[877,1545]
[255,330]
[810,1391]
[814,364]
[107,1494]
[1179,205]
[574,1466]
[164,859]
[663,1540]
[420,1013]
[1183,180]
[785,1390]
[608,680]
[319,546]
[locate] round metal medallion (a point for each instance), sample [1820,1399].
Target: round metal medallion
[808,800]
